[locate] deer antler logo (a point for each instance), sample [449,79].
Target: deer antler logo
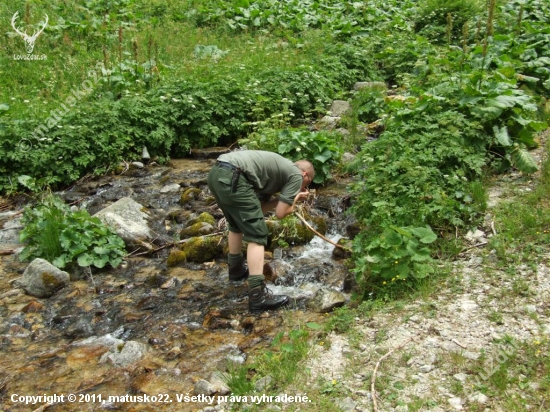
[29,40]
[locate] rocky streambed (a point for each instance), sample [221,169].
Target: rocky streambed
[166,322]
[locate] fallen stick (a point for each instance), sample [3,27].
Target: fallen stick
[459,344]
[167,246]
[320,235]
[373,380]
[473,247]
[7,252]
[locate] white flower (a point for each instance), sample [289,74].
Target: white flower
[26,101]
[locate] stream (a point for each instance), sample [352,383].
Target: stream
[146,327]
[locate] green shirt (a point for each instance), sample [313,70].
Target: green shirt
[268,172]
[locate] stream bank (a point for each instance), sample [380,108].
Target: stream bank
[151,328]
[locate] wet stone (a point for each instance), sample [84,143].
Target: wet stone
[325,300]
[42,279]
[80,329]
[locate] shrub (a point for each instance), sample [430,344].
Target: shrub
[55,233]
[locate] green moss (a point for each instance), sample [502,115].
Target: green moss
[320,224]
[49,280]
[339,253]
[197,229]
[288,231]
[176,256]
[203,217]
[190,194]
[203,249]
[179,215]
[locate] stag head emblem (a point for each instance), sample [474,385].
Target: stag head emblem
[29,40]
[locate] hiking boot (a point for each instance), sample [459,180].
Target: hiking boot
[260,298]
[238,272]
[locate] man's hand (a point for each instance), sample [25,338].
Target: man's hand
[284,209]
[303,195]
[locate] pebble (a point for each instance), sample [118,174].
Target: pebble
[479,398]
[461,377]
[426,368]
[456,403]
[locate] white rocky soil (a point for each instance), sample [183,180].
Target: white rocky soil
[477,311]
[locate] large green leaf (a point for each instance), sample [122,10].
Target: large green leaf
[421,270]
[523,161]
[501,134]
[425,234]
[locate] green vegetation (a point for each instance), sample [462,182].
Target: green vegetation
[397,254]
[467,87]
[55,233]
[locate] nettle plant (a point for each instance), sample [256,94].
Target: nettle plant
[64,237]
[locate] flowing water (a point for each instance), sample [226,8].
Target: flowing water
[178,324]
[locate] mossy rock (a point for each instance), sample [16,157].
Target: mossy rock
[339,253]
[51,281]
[190,194]
[176,257]
[210,200]
[197,229]
[204,217]
[179,216]
[320,224]
[289,230]
[203,249]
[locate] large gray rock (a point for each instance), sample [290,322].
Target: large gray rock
[127,219]
[326,299]
[42,279]
[340,107]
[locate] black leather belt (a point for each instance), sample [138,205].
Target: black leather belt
[237,172]
[226,165]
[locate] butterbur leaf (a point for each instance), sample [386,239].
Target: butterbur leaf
[393,239]
[85,260]
[421,270]
[501,134]
[101,261]
[523,161]
[60,262]
[372,259]
[403,270]
[425,234]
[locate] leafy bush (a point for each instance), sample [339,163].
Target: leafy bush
[397,254]
[55,233]
[320,148]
